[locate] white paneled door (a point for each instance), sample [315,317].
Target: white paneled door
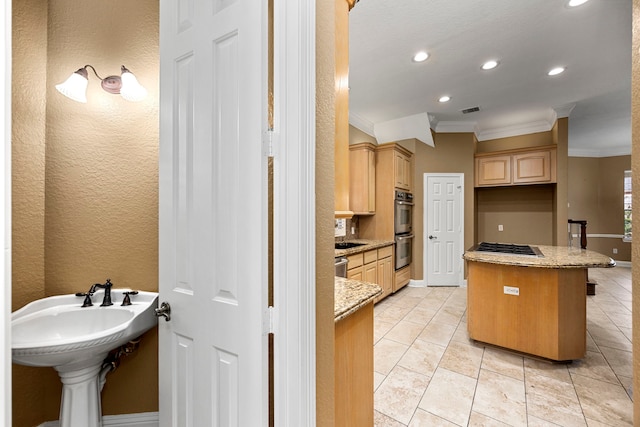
[213,213]
[444,233]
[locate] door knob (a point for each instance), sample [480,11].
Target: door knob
[432,237]
[164,311]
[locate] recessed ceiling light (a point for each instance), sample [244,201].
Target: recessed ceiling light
[444,99]
[489,65]
[420,56]
[556,71]
[574,3]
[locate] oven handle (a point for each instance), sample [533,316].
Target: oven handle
[410,236]
[404,203]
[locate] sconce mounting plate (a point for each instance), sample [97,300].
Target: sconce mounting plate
[112,84]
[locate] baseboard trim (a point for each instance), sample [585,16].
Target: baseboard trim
[417,283]
[144,419]
[623,263]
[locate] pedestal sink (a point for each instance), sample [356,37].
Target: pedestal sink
[58,332]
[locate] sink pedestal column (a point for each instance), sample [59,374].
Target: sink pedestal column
[80,405]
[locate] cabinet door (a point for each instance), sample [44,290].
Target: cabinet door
[356,274]
[532,167]
[402,171]
[371,273]
[362,179]
[493,170]
[385,275]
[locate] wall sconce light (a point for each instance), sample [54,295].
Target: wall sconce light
[126,84]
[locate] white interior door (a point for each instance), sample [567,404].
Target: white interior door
[444,229]
[213,213]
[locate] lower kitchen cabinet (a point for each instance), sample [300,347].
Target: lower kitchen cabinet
[354,369]
[373,266]
[384,266]
[402,278]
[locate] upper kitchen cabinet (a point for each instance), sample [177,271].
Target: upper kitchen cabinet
[342,208]
[402,169]
[362,178]
[536,165]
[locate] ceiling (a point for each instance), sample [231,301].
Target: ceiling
[388,92]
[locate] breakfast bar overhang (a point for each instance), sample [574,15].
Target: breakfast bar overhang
[531,304]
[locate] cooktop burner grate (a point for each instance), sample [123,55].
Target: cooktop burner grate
[507,248]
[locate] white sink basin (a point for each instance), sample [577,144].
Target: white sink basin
[57,331]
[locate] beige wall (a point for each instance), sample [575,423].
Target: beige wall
[596,195]
[325,126]
[95,215]
[635,164]
[28,160]
[525,213]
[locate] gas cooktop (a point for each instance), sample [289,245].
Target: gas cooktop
[508,248]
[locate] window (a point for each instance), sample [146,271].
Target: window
[627,205]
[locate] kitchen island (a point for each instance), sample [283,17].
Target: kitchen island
[531,304]
[354,352]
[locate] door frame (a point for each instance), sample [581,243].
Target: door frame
[5,215]
[425,240]
[294,219]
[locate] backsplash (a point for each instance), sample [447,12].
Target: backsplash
[351,224]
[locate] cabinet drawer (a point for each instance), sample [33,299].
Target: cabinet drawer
[385,252]
[354,261]
[370,256]
[402,278]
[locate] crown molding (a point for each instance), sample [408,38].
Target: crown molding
[600,152]
[361,123]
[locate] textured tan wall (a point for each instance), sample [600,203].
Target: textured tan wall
[29,28]
[95,215]
[513,142]
[596,195]
[325,178]
[635,156]
[525,212]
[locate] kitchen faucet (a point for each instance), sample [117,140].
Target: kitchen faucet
[106,301]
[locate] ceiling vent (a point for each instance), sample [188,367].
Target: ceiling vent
[470,110]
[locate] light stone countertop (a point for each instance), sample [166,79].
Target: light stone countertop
[351,295]
[368,245]
[554,257]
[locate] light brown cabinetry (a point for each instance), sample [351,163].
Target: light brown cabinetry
[516,167]
[392,162]
[362,178]
[384,267]
[373,266]
[341,192]
[354,369]
[402,170]
[355,270]
[547,316]
[402,278]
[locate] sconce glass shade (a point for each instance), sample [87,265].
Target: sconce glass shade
[131,90]
[75,87]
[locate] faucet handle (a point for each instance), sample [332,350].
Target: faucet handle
[87,299]
[127,298]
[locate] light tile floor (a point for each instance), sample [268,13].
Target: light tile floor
[429,373]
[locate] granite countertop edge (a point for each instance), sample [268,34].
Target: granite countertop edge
[367,246]
[554,257]
[351,295]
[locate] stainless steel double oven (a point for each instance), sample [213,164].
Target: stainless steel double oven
[403,227]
